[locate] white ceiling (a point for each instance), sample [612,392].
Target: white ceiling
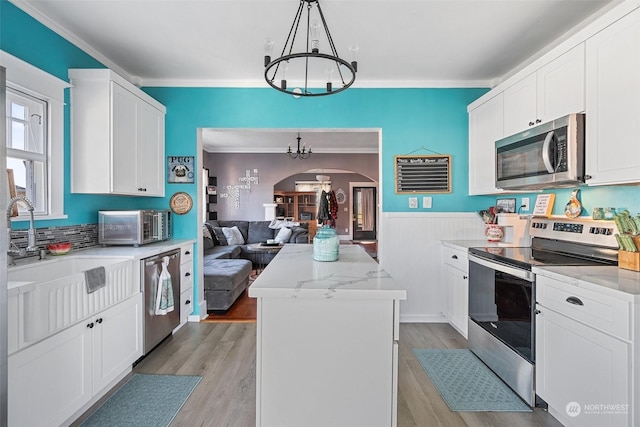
[402,43]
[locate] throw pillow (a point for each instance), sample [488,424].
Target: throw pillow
[222,240]
[283,235]
[233,235]
[278,223]
[207,238]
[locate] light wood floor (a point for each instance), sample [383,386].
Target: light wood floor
[224,354]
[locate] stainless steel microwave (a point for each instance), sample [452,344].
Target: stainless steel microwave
[546,156]
[136,227]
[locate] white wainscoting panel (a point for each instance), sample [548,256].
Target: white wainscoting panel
[409,250]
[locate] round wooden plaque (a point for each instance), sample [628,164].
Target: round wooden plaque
[181,203]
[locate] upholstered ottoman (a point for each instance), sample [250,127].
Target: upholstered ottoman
[224,281]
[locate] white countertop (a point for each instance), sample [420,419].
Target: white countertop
[293,273]
[609,280]
[466,244]
[123,252]
[138,253]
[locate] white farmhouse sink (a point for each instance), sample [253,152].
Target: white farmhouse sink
[45,271]
[52,294]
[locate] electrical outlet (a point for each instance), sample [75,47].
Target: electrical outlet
[413,203]
[426,202]
[525,204]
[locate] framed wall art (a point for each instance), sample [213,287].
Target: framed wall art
[506,205]
[180,169]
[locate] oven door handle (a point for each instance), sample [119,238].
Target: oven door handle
[498,266]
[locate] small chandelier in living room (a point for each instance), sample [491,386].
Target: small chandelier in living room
[294,71]
[299,153]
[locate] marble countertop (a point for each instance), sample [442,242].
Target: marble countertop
[293,273]
[609,280]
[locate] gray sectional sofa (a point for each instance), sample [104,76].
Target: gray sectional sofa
[227,267]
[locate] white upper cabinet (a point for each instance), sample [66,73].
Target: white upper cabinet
[613,103]
[520,105]
[485,127]
[117,139]
[553,91]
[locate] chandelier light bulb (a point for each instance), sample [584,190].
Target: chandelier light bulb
[283,80]
[354,56]
[268,50]
[328,74]
[315,37]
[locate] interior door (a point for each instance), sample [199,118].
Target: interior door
[364,213]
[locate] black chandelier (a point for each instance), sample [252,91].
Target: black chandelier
[299,154]
[309,65]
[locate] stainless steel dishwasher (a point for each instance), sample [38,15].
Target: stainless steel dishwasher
[158,326]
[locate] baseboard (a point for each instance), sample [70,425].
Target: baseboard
[203,313]
[422,318]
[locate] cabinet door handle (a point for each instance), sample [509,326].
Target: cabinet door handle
[574,301]
[465,277]
[187,274]
[99,320]
[187,302]
[142,189]
[187,252]
[454,256]
[90,325]
[531,123]
[536,311]
[538,121]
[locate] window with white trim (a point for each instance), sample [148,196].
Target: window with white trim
[27,146]
[35,136]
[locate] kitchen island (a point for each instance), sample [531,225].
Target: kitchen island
[327,340]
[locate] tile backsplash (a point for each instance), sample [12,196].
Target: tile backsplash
[81,236]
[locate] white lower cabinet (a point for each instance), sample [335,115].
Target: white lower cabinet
[583,373]
[53,379]
[186,283]
[117,341]
[456,288]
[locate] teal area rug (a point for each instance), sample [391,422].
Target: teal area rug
[467,384]
[144,400]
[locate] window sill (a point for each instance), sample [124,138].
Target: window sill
[38,218]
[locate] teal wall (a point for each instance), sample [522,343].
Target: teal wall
[417,121]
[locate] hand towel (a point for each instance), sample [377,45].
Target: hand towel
[95,279]
[164,294]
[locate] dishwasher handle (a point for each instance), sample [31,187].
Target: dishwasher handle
[157,259]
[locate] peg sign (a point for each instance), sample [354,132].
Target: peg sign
[423,174]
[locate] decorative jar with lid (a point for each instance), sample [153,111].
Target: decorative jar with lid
[326,244]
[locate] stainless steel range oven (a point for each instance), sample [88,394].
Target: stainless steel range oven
[502,292]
